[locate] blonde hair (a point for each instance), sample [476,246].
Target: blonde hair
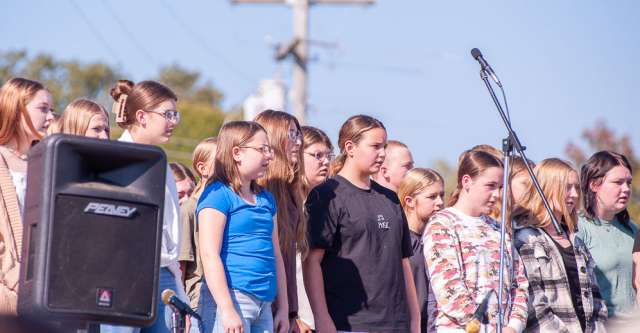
[553,176]
[312,136]
[233,134]
[76,117]
[416,181]
[353,130]
[15,94]
[472,163]
[283,179]
[130,97]
[205,152]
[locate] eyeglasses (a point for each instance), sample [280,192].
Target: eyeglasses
[321,156]
[294,135]
[170,115]
[265,150]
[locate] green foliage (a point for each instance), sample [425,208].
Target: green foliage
[199,103]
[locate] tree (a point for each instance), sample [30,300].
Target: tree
[198,102]
[601,137]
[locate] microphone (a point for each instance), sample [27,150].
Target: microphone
[169,298]
[476,54]
[474,325]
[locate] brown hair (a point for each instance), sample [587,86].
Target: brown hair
[416,181]
[76,117]
[233,134]
[553,176]
[15,94]
[204,152]
[130,98]
[352,130]
[181,172]
[283,179]
[473,163]
[594,170]
[311,136]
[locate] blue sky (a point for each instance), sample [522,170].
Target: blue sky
[564,64]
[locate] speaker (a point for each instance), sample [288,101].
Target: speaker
[93,228]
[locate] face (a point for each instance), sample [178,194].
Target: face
[156,128]
[483,191]
[428,201]
[368,154]
[252,161]
[185,188]
[397,163]
[613,194]
[316,170]
[98,127]
[572,192]
[519,185]
[40,110]
[294,143]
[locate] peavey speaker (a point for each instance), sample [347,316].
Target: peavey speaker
[93,226]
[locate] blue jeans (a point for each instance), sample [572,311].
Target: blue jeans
[255,314]
[163,317]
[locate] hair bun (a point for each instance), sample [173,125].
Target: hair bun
[121,87]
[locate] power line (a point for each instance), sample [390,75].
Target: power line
[128,33]
[202,42]
[95,31]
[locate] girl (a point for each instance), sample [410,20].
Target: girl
[357,274]
[519,177]
[284,179]
[317,153]
[563,292]
[203,160]
[421,194]
[607,230]
[147,112]
[462,252]
[83,117]
[26,110]
[185,181]
[238,238]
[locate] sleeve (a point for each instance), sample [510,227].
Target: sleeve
[187,215]
[322,221]
[519,295]
[215,196]
[407,249]
[444,264]
[540,314]
[636,244]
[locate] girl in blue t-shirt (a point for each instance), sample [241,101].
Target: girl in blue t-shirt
[238,238]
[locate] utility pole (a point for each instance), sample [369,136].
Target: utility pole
[299,47]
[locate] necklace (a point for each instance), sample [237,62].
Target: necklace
[16,153]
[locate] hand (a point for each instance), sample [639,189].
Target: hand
[507,329]
[231,322]
[325,325]
[281,322]
[303,328]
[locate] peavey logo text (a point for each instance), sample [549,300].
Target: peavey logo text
[109,209]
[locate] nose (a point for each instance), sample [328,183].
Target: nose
[103,135]
[50,116]
[626,187]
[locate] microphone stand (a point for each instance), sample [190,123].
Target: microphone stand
[177,320]
[509,144]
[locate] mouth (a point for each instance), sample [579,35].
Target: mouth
[323,171]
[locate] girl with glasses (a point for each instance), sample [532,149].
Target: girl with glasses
[238,238]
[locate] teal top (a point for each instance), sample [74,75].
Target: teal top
[611,245]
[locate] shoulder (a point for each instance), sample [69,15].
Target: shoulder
[326,191]
[391,195]
[214,192]
[442,221]
[526,235]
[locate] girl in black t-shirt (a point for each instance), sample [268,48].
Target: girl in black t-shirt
[357,274]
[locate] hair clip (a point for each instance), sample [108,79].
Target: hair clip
[119,108]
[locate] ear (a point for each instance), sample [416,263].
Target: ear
[409,201]
[141,118]
[466,182]
[594,184]
[349,147]
[237,154]
[202,169]
[384,171]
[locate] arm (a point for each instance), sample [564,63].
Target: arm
[314,285]
[281,317]
[539,309]
[442,257]
[212,223]
[636,275]
[412,297]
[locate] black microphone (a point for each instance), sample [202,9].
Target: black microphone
[169,298]
[476,54]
